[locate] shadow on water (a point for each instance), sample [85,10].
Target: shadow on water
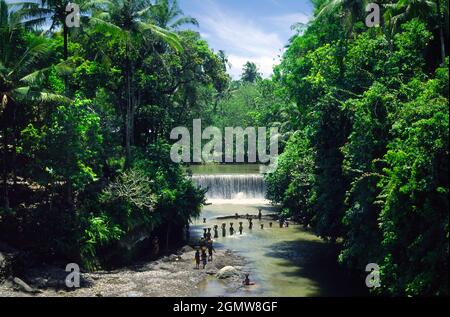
[317,262]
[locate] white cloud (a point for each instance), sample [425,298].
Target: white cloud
[287,20]
[242,39]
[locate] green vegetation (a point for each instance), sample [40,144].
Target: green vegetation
[86,170]
[362,112]
[367,162]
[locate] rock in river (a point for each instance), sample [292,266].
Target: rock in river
[227,272]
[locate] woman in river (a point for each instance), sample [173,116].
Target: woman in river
[197,259]
[224,230]
[247,281]
[216,231]
[204,258]
[211,250]
[202,243]
[231,229]
[155,243]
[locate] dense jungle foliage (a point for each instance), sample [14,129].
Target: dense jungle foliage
[366,154]
[363,116]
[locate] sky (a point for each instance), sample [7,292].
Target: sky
[248,30]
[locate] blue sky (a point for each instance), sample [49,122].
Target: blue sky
[248,30]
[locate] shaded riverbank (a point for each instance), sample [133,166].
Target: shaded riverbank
[173,275]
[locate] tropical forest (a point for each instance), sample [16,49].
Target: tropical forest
[92,202]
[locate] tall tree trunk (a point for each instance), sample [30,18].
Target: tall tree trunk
[129,114]
[66,40]
[66,55]
[14,146]
[5,168]
[441,32]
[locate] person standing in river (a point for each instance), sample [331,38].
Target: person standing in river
[224,230]
[241,228]
[210,250]
[202,243]
[216,231]
[247,281]
[205,233]
[197,259]
[204,258]
[231,229]
[250,224]
[208,235]
[259,215]
[155,243]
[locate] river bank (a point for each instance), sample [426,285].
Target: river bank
[173,275]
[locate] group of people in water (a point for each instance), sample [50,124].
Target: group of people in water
[205,245]
[204,253]
[207,231]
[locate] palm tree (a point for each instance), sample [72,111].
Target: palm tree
[349,12]
[35,14]
[222,55]
[19,78]
[167,14]
[130,20]
[250,73]
[426,10]
[40,12]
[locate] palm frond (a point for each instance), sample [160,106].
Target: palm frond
[105,26]
[183,21]
[37,50]
[171,38]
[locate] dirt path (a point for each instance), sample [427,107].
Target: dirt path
[173,275]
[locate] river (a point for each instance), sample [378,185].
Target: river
[283,262]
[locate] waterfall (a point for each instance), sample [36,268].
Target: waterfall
[232,186]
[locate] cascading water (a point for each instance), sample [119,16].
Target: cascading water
[232,186]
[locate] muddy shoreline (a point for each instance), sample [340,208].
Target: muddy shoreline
[170,276]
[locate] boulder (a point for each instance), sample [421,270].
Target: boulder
[20,285]
[186,249]
[227,272]
[189,256]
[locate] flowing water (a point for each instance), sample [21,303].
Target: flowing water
[282,261]
[232,187]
